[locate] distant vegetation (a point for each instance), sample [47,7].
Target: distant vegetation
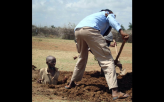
[67,32]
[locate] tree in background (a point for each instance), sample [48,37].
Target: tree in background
[33,25]
[52,26]
[130,26]
[122,27]
[71,26]
[34,30]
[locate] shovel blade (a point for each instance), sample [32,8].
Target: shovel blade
[123,72]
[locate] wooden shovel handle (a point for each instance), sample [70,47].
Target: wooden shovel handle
[120,50]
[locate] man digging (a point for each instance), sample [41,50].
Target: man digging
[50,74]
[88,33]
[109,39]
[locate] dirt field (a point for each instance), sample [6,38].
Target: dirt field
[92,88]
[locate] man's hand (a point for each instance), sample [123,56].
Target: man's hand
[74,57]
[114,44]
[124,35]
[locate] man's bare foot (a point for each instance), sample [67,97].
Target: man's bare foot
[71,84]
[118,95]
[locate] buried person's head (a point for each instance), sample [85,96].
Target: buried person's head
[51,61]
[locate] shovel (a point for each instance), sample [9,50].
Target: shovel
[122,71]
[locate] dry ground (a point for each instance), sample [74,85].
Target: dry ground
[64,50]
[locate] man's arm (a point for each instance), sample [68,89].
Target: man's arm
[113,45]
[114,24]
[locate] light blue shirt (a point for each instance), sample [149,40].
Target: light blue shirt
[100,22]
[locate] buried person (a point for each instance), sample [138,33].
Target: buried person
[50,74]
[88,34]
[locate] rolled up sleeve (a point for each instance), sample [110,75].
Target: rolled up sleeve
[113,23]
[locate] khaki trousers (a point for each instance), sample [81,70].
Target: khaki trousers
[90,37]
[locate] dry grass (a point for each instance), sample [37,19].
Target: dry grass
[65,50]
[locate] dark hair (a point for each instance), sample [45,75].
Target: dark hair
[106,10]
[50,58]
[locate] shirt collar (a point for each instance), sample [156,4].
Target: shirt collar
[48,72]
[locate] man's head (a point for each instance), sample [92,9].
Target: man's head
[110,11]
[107,11]
[51,61]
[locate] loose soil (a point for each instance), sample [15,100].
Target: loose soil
[92,87]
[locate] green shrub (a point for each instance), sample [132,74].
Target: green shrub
[67,32]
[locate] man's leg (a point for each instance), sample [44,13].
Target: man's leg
[82,59]
[101,72]
[98,46]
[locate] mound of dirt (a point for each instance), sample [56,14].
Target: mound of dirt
[92,87]
[35,73]
[33,67]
